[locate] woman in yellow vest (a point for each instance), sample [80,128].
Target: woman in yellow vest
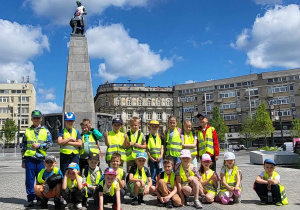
[189,140]
[231,180]
[209,179]
[267,185]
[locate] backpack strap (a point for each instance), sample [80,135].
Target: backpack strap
[86,171]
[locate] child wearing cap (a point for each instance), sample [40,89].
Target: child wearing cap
[91,175]
[121,174]
[41,190]
[136,142]
[90,142]
[139,179]
[72,187]
[267,185]
[155,151]
[189,140]
[187,177]
[109,190]
[230,180]
[166,188]
[115,141]
[69,140]
[209,179]
[36,141]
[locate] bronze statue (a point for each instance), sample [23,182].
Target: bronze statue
[77,22]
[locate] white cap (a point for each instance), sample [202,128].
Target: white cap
[229,156]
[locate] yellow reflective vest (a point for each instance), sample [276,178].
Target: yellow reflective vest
[183,175]
[174,145]
[132,151]
[69,149]
[70,183]
[31,139]
[206,145]
[113,187]
[120,173]
[40,175]
[116,145]
[230,180]
[88,178]
[143,177]
[154,146]
[209,187]
[93,148]
[172,179]
[189,139]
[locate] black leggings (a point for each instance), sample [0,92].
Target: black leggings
[262,192]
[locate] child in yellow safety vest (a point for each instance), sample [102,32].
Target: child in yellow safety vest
[42,190]
[209,179]
[267,185]
[72,187]
[155,151]
[139,179]
[166,188]
[189,140]
[121,175]
[187,178]
[109,190]
[230,180]
[115,141]
[91,175]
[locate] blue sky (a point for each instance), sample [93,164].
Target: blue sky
[157,42]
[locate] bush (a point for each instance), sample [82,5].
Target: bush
[268,148]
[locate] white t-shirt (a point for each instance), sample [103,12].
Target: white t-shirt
[229,171]
[272,177]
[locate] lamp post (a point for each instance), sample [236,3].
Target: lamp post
[280,114]
[270,103]
[182,115]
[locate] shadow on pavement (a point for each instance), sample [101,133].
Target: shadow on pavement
[250,202]
[13,200]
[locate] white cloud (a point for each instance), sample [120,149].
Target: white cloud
[274,39]
[192,42]
[123,55]
[208,42]
[18,45]
[230,62]
[47,94]
[60,11]
[264,2]
[49,107]
[189,81]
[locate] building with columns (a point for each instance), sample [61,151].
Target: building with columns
[125,100]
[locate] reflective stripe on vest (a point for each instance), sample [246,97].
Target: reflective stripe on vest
[209,187]
[231,180]
[116,145]
[154,146]
[284,199]
[137,176]
[69,182]
[88,178]
[190,140]
[31,139]
[174,145]
[172,179]
[112,188]
[183,175]
[132,151]
[93,148]
[40,176]
[206,145]
[69,149]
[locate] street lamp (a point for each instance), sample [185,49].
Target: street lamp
[182,100]
[270,103]
[280,114]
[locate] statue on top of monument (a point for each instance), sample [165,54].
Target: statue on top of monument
[78,20]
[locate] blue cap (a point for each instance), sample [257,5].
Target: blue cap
[117,120]
[203,115]
[270,161]
[73,166]
[141,155]
[69,116]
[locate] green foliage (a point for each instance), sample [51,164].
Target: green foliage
[247,130]
[179,125]
[122,129]
[295,128]
[218,123]
[268,148]
[9,129]
[262,124]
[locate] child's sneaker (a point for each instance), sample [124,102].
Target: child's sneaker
[134,201]
[44,203]
[78,206]
[197,204]
[262,203]
[29,204]
[159,203]
[57,203]
[278,204]
[169,204]
[140,199]
[70,206]
[237,199]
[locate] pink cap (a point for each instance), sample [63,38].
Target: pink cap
[185,153]
[206,157]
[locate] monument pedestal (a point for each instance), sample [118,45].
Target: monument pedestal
[78,91]
[280,157]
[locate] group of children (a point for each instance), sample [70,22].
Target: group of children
[175,153]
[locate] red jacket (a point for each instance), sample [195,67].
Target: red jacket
[215,138]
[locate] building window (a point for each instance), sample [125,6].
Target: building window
[3,110]
[18,91]
[24,121]
[231,105]
[25,110]
[118,115]
[129,102]
[168,102]
[149,116]
[278,89]
[229,94]
[294,77]
[244,84]
[253,91]
[140,102]
[254,103]
[188,109]
[227,86]
[118,102]
[4,99]
[230,116]
[2,121]
[293,102]
[4,91]
[149,102]
[159,116]
[106,103]
[24,99]
[277,79]
[129,115]
[158,102]
[283,112]
[281,100]
[209,107]
[196,108]
[208,97]
[203,89]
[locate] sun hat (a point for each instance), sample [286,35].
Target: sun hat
[154,122]
[270,161]
[69,116]
[141,155]
[229,156]
[110,171]
[73,166]
[206,157]
[185,153]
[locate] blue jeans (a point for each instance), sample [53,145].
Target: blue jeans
[33,168]
[65,160]
[154,170]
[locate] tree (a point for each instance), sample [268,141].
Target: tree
[295,128]
[9,129]
[247,130]
[262,124]
[218,123]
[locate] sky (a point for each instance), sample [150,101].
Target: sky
[156,42]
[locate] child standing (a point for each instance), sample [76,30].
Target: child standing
[209,179]
[121,175]
[267,185]
[155,151]
[72,186]
[139,179]
[39,188]
[115,141]
[189,140]
[136,142]
[231,180]
[109,190]
[91,175]
[90,142]
[172,140]
[166,188]
[187,177]
[69,140]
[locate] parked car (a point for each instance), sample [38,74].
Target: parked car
[287,146]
